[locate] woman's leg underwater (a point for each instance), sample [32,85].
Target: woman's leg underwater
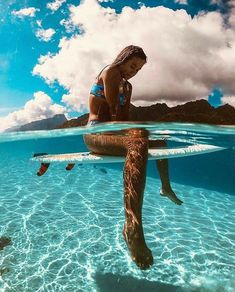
[134,183]
[136,151]
[163,169]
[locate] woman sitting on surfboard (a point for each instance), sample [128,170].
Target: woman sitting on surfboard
[110,101]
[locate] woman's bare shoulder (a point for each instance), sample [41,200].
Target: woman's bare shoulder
[111,73]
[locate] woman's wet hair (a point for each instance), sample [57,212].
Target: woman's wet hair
[129,52]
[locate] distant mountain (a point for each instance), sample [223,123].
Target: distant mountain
[80,121]
[199,111]
[45,124]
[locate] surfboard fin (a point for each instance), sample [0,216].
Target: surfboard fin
[70,166]
[44,166]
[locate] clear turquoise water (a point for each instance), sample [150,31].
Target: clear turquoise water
[66,227]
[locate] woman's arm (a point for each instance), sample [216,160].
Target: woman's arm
[111,80]
[126,107]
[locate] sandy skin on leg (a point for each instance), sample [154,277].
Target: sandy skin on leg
[135,148]
[134,183]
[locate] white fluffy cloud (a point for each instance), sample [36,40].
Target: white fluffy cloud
[40,107]
[187,56]
[181,1]
[68,25]
[105,1]
[45,34]
[30,12]
[55,5]
[229,99]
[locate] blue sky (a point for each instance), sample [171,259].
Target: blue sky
[34,88]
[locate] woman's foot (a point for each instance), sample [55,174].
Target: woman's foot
[140,253]
[171,195]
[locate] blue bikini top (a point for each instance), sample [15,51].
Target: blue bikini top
[98,90]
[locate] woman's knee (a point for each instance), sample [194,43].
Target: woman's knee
[137,148]
[88,141]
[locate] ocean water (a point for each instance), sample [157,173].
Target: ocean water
[66,227]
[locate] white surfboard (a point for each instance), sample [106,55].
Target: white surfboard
[157,153]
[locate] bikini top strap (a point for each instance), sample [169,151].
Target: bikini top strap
[97,77]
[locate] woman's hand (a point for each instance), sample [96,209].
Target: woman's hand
[124,110]
[113,117]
